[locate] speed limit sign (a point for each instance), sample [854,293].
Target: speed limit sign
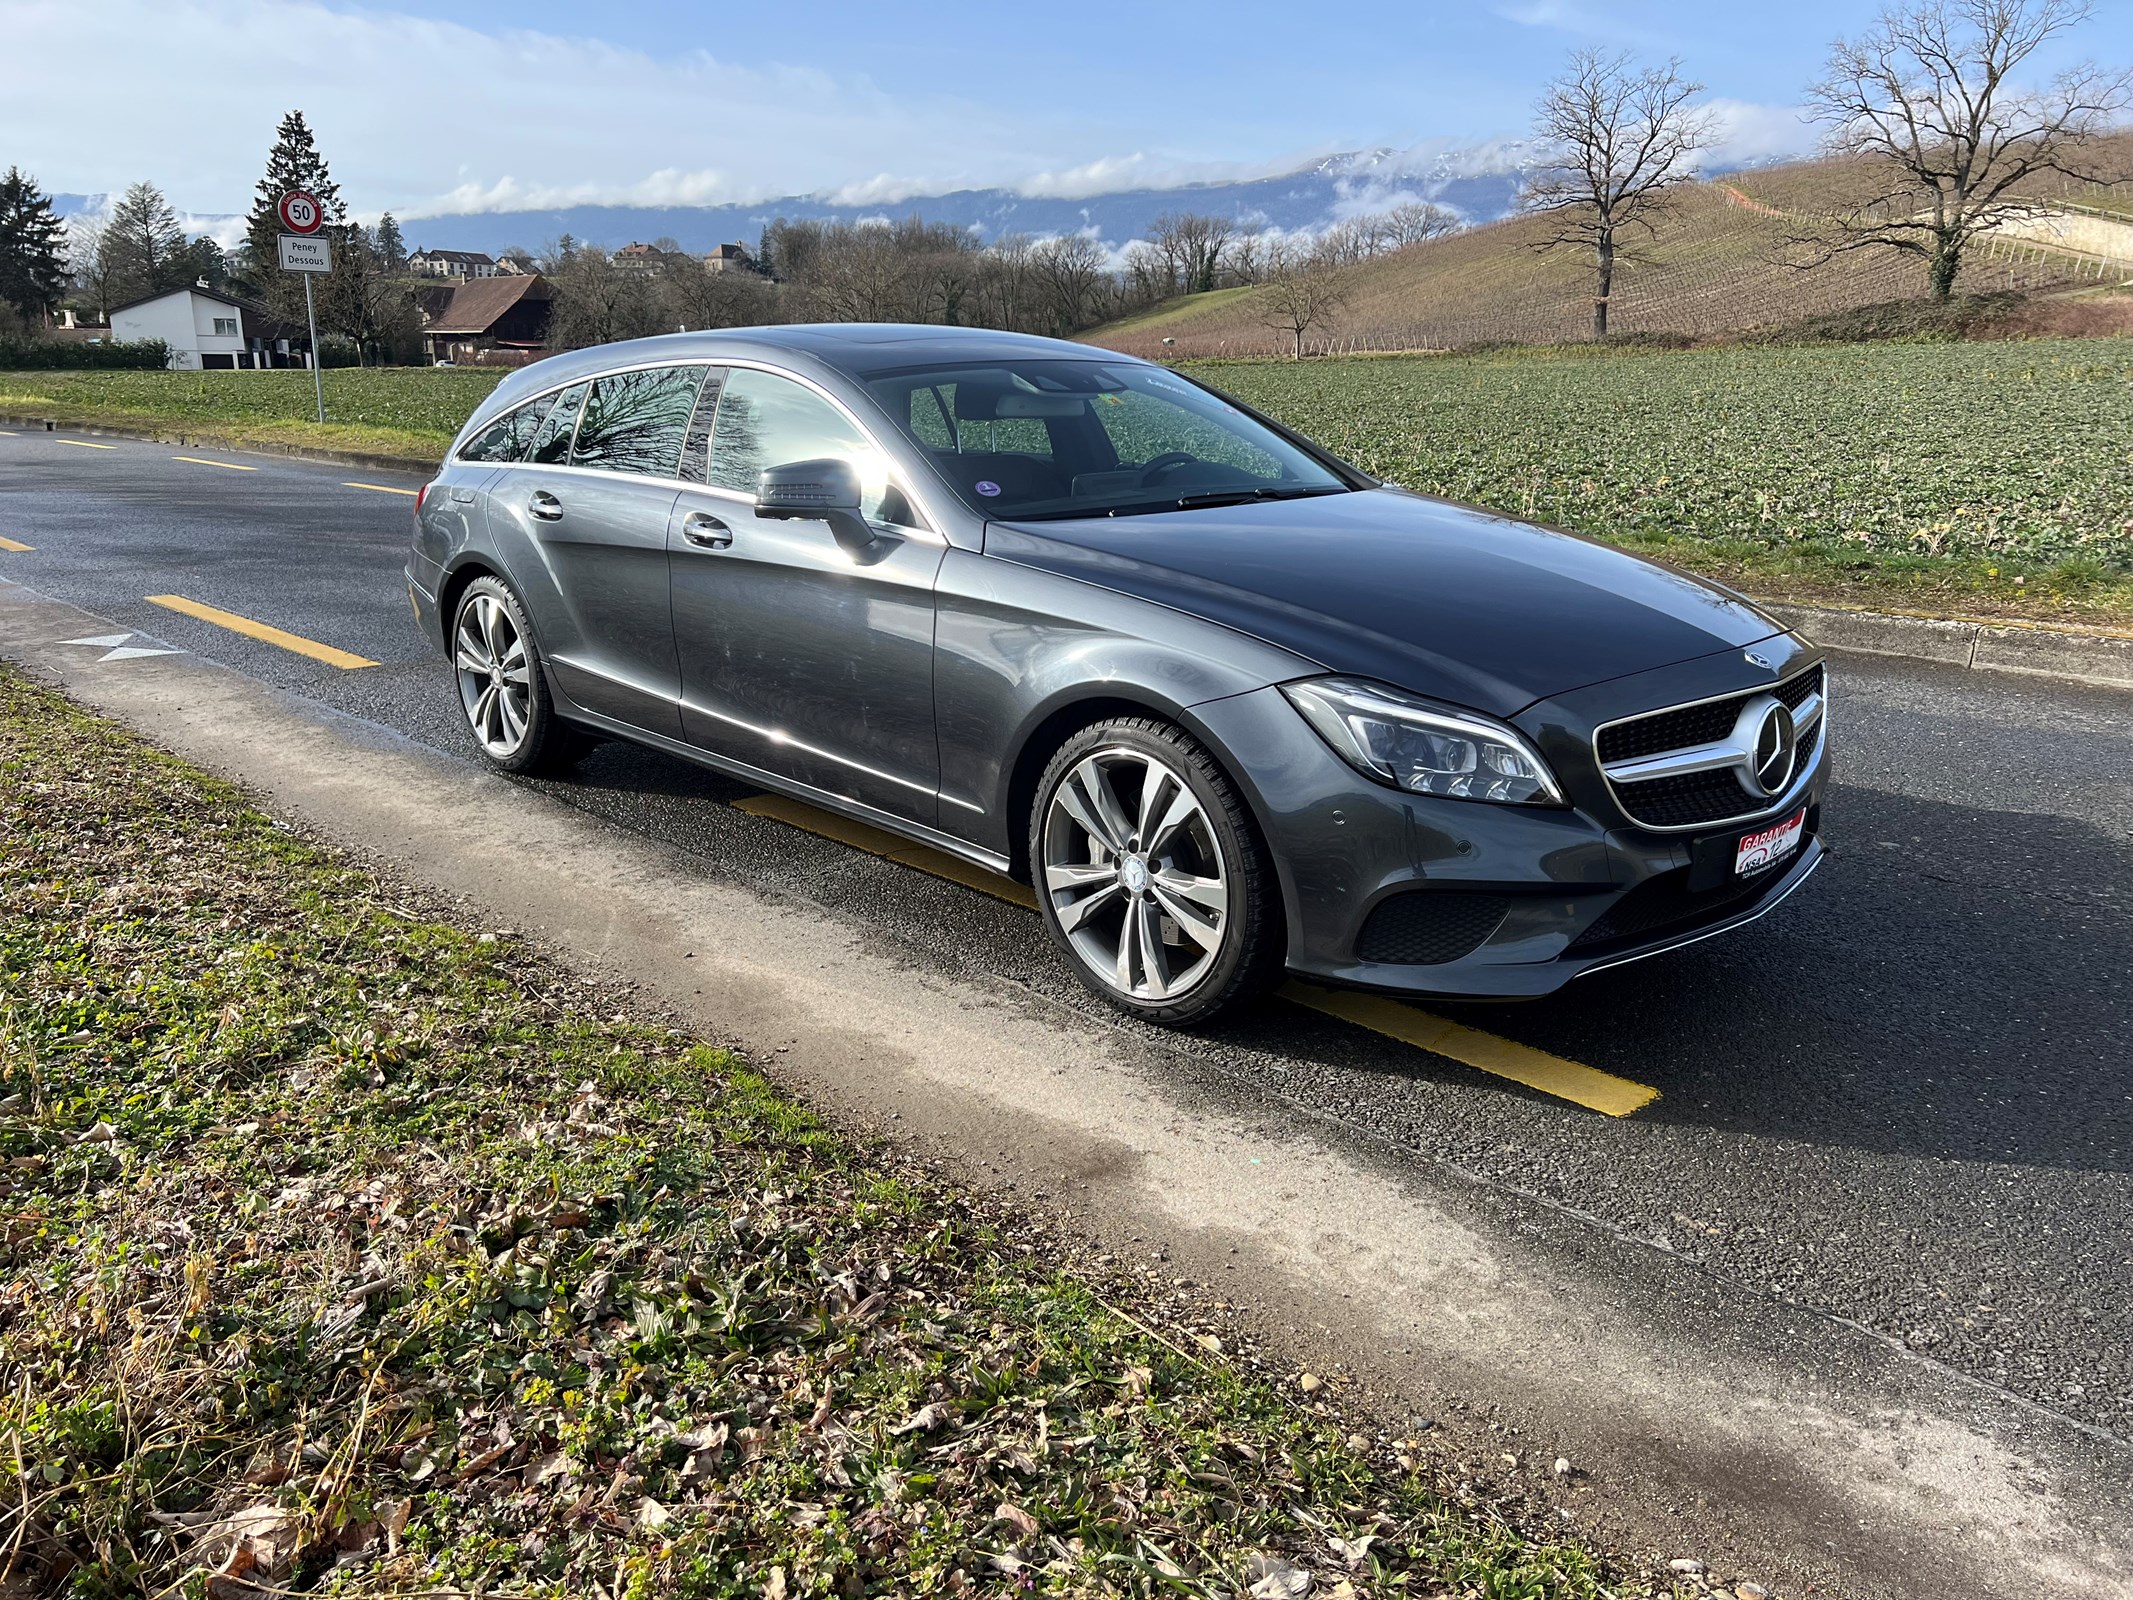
[301,212]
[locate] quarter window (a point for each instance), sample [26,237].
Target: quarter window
[635,421]
[765,420]
[510,435]
[551,440]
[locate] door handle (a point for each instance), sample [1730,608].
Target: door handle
[705,531]
[546,506]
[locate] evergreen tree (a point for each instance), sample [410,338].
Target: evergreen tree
[143,247]
[391,248]
[293,163]
[33,267]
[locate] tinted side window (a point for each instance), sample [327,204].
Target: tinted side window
[551,441]
[510,435]
[766,421]
[635,421]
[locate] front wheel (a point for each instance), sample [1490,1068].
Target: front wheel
[1150,874]
[503,684]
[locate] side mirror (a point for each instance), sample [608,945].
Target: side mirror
[825,490]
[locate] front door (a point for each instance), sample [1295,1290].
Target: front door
[798,657]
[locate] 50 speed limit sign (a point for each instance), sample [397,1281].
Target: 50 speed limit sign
[301,212]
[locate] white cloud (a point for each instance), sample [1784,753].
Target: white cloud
[421,116]
[1749,133]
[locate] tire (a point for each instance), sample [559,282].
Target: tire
[1164,903]
[510,711]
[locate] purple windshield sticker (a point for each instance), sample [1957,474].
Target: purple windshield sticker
[986,487]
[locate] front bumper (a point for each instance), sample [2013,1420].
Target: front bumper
[1411,894]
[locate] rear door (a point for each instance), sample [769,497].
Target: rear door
[594,501]
[798,657]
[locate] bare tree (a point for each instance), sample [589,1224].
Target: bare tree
[1931,99]
[90,265]
[1416,221]
[1302,289]
[1193,247]
[1623,137]
[1072,281]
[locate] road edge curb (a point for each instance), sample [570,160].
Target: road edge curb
[374,459]
[2036,648]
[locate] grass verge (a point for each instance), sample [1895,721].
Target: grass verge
[347,1251]
[409,412]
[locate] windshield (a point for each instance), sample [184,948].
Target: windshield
[1045,439]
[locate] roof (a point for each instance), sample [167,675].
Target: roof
[478,306]
[729,252]
[473,257]
[215,295]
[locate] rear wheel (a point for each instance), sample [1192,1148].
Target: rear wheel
[1150,874]
[503,685]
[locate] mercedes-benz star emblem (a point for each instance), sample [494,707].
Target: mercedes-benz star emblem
[1763,661]
[1776,747]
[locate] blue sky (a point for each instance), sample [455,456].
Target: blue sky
[425,106]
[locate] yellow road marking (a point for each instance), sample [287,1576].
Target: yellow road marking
[1504,1058]
[9,544]
[1536,1069]
[226,466]
[890,846]
[85,444]
[382,488]
[260,630]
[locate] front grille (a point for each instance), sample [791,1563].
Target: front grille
[1700,724]
[1690,799]
[1430,927]
[1663,905]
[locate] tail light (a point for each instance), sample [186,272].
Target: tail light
[422,496]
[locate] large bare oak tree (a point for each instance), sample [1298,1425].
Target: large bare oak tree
[1621,138]
[1934,99]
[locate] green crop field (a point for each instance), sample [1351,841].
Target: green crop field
[2000,471]
[1991,476]
[398,410]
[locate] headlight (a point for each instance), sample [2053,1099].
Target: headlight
[1423,747]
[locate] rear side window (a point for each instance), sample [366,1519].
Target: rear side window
[551,441]
[510,436]
[635,421]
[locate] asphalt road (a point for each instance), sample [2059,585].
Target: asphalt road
[1905,1100]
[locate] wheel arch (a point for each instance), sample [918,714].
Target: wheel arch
[462,572]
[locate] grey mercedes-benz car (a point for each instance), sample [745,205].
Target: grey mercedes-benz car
[1230,706]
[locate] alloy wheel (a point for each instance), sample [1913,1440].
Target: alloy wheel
[495,683]
[1134,875]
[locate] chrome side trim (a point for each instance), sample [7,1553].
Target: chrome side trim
[1808,869]
[858,810]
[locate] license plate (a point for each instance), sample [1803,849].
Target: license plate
[1767,848]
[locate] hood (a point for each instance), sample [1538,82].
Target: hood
[1479,610]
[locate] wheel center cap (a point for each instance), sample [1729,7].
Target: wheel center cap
[1133,873]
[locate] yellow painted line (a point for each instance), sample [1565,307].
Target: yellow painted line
[1485,1052]
[9,544]
[260,630]
[889,846]
[84,444]
[1536,1069]
[382,488]
[226,466]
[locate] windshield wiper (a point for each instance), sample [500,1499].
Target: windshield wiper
[1241,497]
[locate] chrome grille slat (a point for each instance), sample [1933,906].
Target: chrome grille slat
[1676,769]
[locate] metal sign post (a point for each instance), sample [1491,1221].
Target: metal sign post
[301,252]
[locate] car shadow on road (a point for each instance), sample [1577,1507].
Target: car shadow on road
[1954,983]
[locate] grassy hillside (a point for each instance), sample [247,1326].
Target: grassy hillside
[1990,477]
[1718,267]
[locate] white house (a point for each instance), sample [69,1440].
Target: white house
[206,329]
